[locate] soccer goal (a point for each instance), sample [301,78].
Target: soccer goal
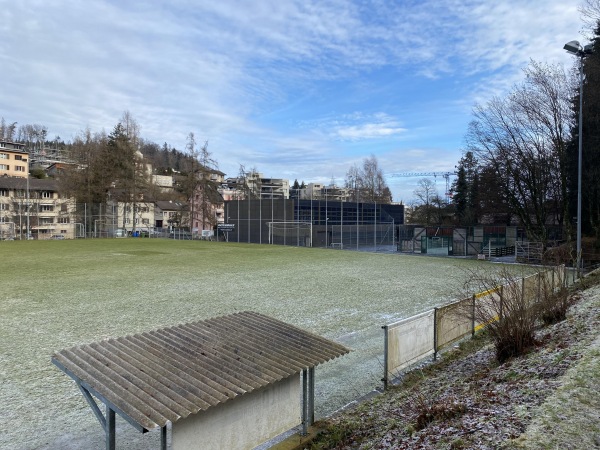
[290,233]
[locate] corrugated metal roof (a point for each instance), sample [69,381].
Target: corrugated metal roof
[168,374]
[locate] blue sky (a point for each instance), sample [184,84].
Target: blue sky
[296,89]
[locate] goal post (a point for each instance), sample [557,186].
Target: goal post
[290,233]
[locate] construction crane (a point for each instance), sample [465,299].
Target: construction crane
[446,176]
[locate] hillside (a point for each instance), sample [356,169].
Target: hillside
[545,399]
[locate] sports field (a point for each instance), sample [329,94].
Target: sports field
[57,294]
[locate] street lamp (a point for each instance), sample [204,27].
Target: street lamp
[575,48]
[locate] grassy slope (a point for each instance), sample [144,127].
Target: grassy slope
[57,294]
[570,417]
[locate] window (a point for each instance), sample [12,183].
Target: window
[3,192]
[47,208]
[3,207]
[3,166]
[63,220]
[46,194]
[20,168]
[145,221]
[20,193]
[3,156]
[19,157]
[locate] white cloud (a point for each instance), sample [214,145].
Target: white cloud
[246,75]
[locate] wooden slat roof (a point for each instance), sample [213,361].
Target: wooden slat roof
[162,376]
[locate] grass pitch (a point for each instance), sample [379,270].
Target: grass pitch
[57,294]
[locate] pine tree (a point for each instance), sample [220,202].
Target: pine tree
[590,205]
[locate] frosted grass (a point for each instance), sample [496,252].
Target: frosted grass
[63,293]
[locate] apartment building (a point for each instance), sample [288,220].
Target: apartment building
[34,208]
[318,191]
[255,185]
[13,160]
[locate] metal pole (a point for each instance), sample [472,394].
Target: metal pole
[304,402]
[375,228]
[385,357]
[311,395]
[579,165]
[27,208]
[110,429]
[435,334]
[357,214]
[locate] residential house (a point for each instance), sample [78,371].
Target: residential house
[133,213]
[13,160]
[35,207]
[169,214]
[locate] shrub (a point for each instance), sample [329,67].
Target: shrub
[429,411]
[554,306]
[507,309]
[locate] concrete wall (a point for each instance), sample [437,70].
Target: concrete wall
[243,422]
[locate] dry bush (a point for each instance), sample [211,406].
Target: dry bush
[442,408]
[553,302]
[507,312]
[562,254]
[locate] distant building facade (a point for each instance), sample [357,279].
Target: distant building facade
[13,160]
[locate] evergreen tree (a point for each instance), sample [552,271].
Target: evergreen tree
[465,191]
[460,195]
[590,205]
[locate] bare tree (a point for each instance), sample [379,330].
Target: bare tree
[198,186]
[424,207]
[590,13]
[367,182]
[523,138]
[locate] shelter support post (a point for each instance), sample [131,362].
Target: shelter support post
[308,399]
[304,402]
[163,438]
[110,429]
[88,397]
[107,423]
[311,395]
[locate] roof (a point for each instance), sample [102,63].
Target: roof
[35,184]
[165,375]
[170,205]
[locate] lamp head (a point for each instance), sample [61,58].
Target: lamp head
[573,47]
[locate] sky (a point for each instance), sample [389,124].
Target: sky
[294,89]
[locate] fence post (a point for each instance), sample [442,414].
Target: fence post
[385,357]
[501,315]
[435,334]
[473,317]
